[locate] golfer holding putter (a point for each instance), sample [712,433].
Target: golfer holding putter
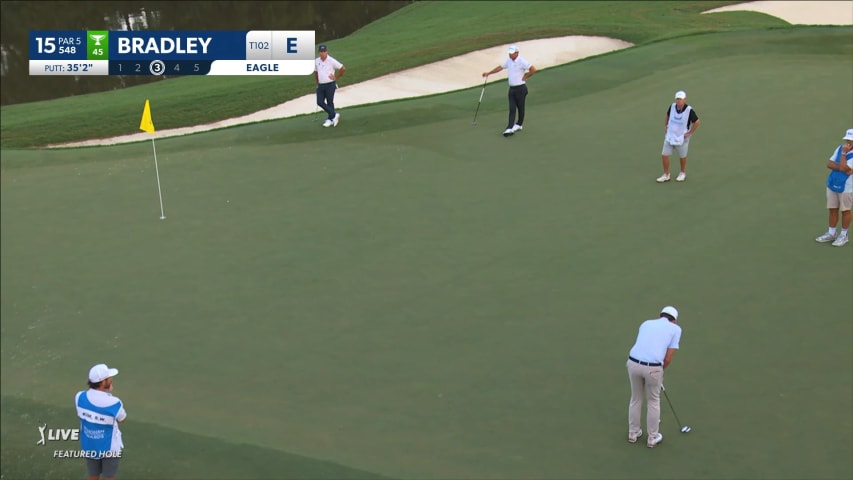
[656,343]
[518,71]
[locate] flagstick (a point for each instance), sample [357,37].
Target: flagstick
[159,191]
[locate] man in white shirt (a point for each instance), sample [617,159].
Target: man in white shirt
[656,343]
[839,192]
[326,71]
[518,71]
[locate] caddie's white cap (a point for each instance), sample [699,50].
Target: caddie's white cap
[670,311]
[512,49]
[681,94]
[101,372]
[849,135]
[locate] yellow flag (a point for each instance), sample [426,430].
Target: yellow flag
[146,124]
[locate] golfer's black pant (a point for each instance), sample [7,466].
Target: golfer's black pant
[517,95]
[326,98]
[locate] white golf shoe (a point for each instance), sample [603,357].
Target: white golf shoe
[655,441]
[663,178]
[516,128]
[336,120]
[327,123]
[633,437]
[840,241]
[681,177]
[825,238]
[508,132]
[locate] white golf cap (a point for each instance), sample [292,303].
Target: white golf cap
[671,311]
[512,49]
[848,135]
[681,94]
[101,372]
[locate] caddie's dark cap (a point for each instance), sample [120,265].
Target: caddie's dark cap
[322,48]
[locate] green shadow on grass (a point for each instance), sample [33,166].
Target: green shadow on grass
[152,451]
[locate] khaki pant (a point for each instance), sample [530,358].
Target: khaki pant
[645,382]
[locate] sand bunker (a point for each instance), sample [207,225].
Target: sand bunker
[799,13]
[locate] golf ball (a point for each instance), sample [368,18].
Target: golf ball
[685,429]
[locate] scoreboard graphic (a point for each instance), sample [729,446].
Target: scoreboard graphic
[171,53]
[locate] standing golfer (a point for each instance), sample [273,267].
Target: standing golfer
[100,413]
[326,71]
[839,192]
[680,124]
[656,343]
[518,71]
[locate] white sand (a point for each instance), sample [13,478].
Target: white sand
[799,13]
[464,71]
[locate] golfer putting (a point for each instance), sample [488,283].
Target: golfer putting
[657,341]
[518,71]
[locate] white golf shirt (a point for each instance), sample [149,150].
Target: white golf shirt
[326,68]
[515,70]
[653,340]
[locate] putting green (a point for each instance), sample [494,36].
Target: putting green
[408,295]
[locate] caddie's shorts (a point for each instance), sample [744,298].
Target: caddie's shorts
[106,467]
[681,149]
[842,201]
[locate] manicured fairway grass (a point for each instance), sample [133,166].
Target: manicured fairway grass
[411,296]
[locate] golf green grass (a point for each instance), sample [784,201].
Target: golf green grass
[411,296]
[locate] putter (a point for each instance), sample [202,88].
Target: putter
[684,428]
[481,100]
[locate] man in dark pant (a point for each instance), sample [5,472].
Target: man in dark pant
[326,71]
[517,95]
[518,71]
